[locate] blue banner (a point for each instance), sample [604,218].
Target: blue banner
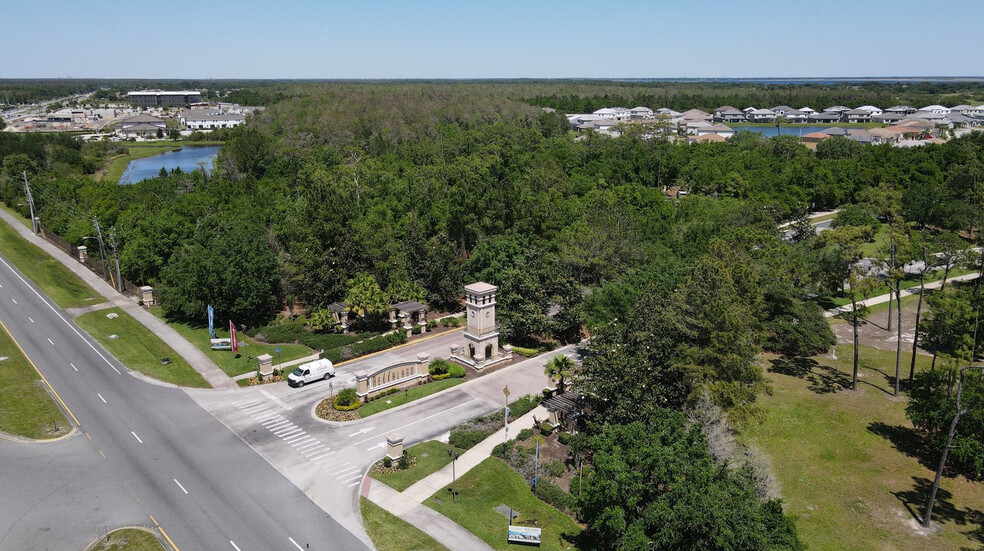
[211,328]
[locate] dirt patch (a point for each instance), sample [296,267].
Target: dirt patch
[873,331]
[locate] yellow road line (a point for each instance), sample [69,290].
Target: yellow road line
[102,454]
[441,334]
[51,388]
[161,528]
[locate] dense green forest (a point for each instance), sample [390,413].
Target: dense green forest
[422,186]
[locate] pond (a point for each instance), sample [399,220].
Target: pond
[186,158]
[770,131]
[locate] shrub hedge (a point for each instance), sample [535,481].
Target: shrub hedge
[456,371]
[466,439]
[281,334]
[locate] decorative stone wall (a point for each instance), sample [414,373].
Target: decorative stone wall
[401,375]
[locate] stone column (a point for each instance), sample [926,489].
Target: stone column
[394,445]
[422,367]
[362,383]
[147,295]
[266,365]
[82,253]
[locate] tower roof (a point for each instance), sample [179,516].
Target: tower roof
[480,288]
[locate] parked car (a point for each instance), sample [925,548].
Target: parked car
[310,372]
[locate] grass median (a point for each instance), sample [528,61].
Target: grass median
[26,408]
[431,457]
[492,483]
[407,396]
[55,280]
[139,349]
[235,364]
[128,539]
[850,464]
[389,532]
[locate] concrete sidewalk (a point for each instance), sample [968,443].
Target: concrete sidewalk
[435,482]
[881,299]
[195,357]
[447,532]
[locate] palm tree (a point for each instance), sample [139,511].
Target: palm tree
[321,319]
[559,369]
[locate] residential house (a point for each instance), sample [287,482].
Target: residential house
[795,115]
[887,135]
[835,131]
[780,110]
[887,117]
[762,115]
[614,113]
[863,136]
[748,110]
[824,117]
[696,115]
[729,115]
[641,113]
[936,110]
[906,132]
[836,109]
[707,138]
[961,120]
[923,125]
[808,110]
[964,109]
[871,109]
[716,128]
[812,139]
[901,109]
[856,115]
[668,112]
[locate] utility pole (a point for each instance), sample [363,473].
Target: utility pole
[30,202]
[116,257]
[102,245]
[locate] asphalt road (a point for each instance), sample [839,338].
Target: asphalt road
[145,454]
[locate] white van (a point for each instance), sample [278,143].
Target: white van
[311,371]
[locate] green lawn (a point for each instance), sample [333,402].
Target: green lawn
[908,283]
[137,348]
[235,364]
[129,539]
[848,461]
[431,456]
[54,279]
[26,408]
[494,483]
[391,533]
[403,397]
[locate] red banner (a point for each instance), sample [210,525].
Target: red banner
[232,335]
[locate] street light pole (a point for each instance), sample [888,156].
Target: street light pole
[454,477]
[30,202]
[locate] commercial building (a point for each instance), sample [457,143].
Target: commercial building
[161,98]
[204,120]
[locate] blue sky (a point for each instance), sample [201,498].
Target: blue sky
[490,39]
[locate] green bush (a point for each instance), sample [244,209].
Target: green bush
[523,405]
[335,355]
[525,434]
[564,438]
[431,324]
[456,371]
[554,495]
[404,461]
[466,439]
[526,352]
[440,376]
[546,428]
[387,462]
[450,322]
[416,330]
[398,337]
[439,366]
[281,334]
[346,399]
[548,393]
[326,341]
[554,468]
[501,450]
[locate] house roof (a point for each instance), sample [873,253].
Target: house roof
[808,110]
[718,127]
[762,112]
[782,108]
[730,112]
[856,112]
[795,113]
[826,116]
[143,118]
[870,108]
[725,108]
[835,131]
[961,107]
[816,136]
[192,116]
[710,138]
[888,116]
[904,129]
[640,108]
[889,132]
[142,127]
[836,109]
[696,114]
[667,111]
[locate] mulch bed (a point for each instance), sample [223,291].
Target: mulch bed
[326,411]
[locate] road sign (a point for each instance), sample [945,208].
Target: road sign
[279,350]
[505,391]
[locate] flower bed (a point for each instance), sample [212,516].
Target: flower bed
[394,467]
[253,381]
[326,411]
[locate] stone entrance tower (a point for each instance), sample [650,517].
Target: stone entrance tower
[481,337]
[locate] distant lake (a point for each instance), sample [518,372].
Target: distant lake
[770,131]
[186,158]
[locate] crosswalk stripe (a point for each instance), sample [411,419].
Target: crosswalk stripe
[322,458]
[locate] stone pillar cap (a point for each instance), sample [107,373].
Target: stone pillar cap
[423,356]
[361,374]
[394,438]
[264,357]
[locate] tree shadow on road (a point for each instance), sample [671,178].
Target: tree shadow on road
[823,379]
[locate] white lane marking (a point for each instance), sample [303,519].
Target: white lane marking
[15,302]
[362,431]
[287,430]
[323,459]
[344,480]
[137,437]
[250,404]
[318,457]
[275,400]
[295,544]
[286,435]
[101,398]
[295,437]
[61,317]
[30,318]
[278,423]
[306,448]
[180,486]
[276,419]
[379,445]
[356,483]
[417,421]
[307,440]
[255,407]
[235,546]
[345,470]
[73,366]
[52,342]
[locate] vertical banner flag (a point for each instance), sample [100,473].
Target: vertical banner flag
[232,334]
[211,326]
